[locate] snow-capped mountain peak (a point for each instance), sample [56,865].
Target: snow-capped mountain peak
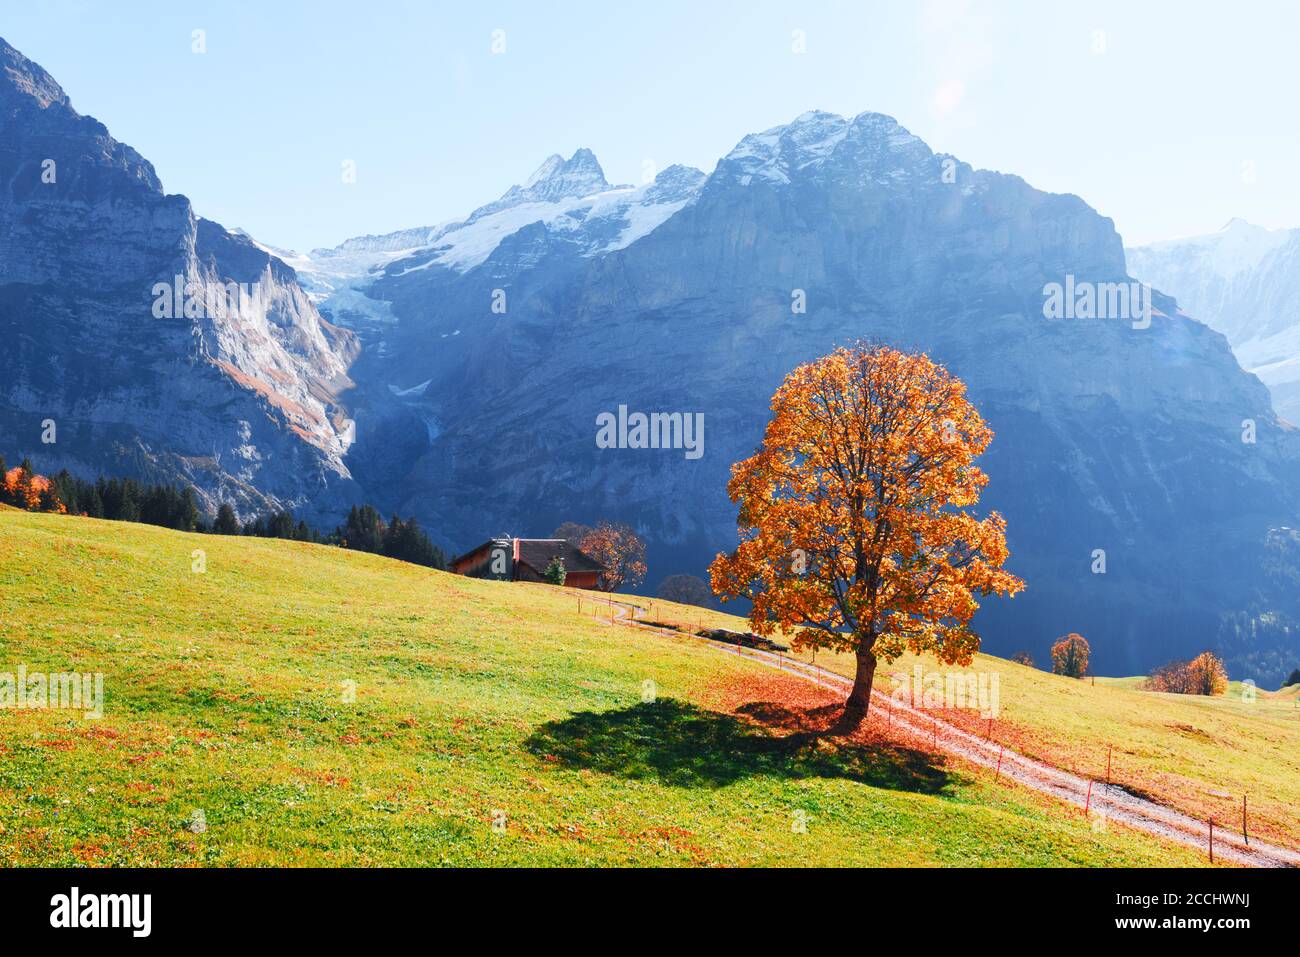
[585,211]
[550,166]
[677,182]
[556,179]
[579,175]
[871,143]
[773,153]
[576,204]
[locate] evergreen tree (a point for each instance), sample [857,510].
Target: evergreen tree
[405,540]
[364,530]
[121,500]
[68,491]
[88,500]
[190,516]
[227,522]
[395,539]
[281,525]
[49,498]
[187,513]
[158,506]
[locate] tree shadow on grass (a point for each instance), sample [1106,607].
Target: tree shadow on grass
[684,745]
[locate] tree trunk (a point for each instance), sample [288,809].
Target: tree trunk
[855,709]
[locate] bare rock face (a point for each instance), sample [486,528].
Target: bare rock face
[1136,511]
[161,345]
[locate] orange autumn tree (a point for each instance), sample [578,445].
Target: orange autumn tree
[1070,655]
[1207,675]
[23,488]
[620,552]
[855,529]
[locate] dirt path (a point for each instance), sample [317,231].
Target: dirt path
[1110,802]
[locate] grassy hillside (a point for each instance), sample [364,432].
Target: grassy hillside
[1194,753]
[1197,754]
[226,695]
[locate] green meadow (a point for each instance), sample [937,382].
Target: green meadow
[276,703]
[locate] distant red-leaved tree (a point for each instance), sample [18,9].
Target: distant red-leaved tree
[1070,656]
[620,552]
[1204,675]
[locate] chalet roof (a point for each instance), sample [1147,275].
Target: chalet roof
[538,552]
[477,548]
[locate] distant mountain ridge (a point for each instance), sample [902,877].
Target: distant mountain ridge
[1243,281]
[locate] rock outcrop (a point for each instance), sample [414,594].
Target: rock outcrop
[161,345]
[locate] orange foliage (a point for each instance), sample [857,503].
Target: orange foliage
[24,490]
[1209,676]
[855,519]
[1070,656]
[1204,675]
[621,554]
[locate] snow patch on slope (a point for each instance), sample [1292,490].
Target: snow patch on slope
[630,213]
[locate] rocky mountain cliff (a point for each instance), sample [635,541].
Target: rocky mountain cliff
[1244,281]
[159,344]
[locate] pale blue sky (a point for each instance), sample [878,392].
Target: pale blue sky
[1186,119]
